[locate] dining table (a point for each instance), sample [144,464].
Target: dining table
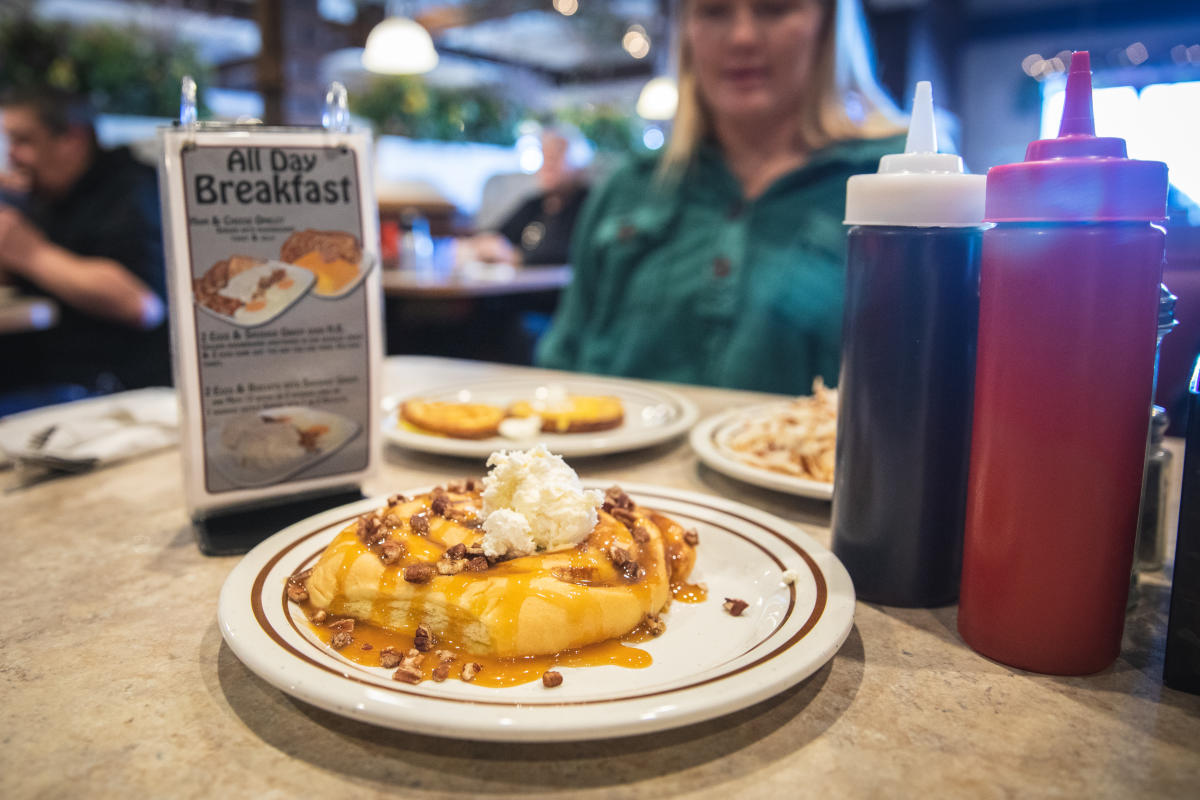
[118,683]
[484,280]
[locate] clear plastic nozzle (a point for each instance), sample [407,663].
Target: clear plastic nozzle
[922,132]
[921,149]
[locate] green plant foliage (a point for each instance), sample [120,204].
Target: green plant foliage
[121,71]
[406,106]
[607,127]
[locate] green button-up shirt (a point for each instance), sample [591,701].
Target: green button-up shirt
[694,283]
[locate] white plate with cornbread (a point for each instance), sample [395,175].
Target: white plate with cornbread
[794,603]
[573,417]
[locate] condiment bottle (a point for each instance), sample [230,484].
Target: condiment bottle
[1181,655]
[1150,544]
[908,353]
[1069,287]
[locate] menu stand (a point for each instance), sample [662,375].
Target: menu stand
[271,238]
[235,531]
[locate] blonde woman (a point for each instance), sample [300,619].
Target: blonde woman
[721,262]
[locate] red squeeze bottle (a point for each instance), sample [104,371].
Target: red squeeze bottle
[1068,293]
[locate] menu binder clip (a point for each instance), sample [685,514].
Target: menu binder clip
[187,109]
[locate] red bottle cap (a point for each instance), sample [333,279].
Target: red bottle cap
[1077,177]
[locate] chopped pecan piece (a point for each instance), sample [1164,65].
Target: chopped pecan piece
[441,671]
[464,516]
[457,551]
[470,670]
[345,624]
[367,646]
[654,625]
[396,500]
[477,564]
[619,556]
[734,606]
[297,586]
[624,516]
[419,573]
[408,673]
[445,567]
[296,591]
[691,537]
[631,570]
[615,497]
[319,616]
[640,534]
[370,529]
[341,639]
[551,678]
[440,503]
[422,640]
[573,574]
[414,655]
[390,552]
[474,550]
[445,655]
[392,520]
[389,657]
[463,486]
[419,524]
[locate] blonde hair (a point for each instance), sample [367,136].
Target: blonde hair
[842,74]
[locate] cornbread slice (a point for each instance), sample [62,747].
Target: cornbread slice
[459,420]
[578,414]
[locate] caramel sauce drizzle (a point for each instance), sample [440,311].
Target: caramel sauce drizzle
[584,566]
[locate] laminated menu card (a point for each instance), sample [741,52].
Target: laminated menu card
[271,240]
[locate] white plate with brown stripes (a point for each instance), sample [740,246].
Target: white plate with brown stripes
[707,663]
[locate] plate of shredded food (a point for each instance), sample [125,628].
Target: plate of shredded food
[786,446]
[529,605]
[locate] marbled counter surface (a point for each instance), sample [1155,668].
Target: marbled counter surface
[117,683]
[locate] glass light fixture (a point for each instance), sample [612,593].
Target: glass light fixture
[399,46]
[658,99]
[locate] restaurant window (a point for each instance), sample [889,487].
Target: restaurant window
[1159,122]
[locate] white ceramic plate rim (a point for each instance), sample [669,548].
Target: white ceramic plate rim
[571,445]
[295,273]
[254,618]
[703,439]
[237,476]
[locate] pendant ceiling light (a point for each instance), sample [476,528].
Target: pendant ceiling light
[399,46]
[658,99]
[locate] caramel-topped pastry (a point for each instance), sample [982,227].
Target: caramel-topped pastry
[420,563]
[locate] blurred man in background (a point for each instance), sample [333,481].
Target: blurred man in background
[81,225]
[538,231]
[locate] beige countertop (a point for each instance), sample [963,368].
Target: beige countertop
[116,681]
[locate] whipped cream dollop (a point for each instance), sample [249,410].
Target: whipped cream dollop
[533,502]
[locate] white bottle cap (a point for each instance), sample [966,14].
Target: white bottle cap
[919,187]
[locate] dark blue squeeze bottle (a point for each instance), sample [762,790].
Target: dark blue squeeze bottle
[907,374]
